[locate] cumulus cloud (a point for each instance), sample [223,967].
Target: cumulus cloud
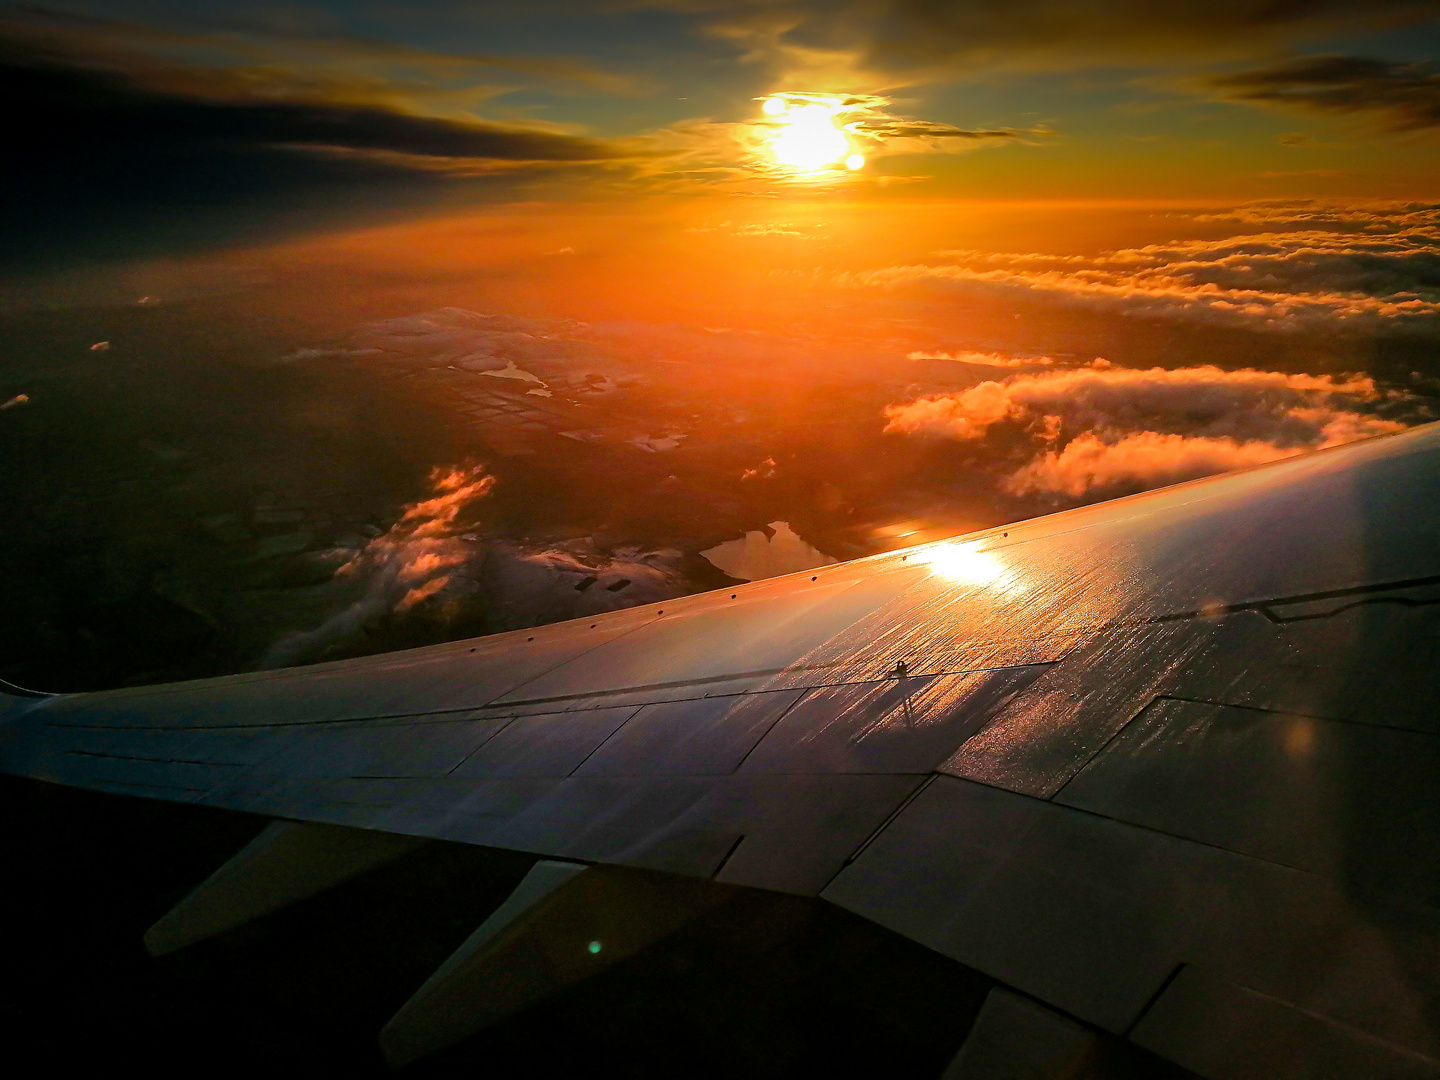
[1385,272]
[1109,428]
[1401,96]
[1143,460]
[414,563]
[1381,217]
[1203,399]
[429,578]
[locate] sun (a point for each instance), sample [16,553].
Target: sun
[808,137]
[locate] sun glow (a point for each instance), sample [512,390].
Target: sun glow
[809,137]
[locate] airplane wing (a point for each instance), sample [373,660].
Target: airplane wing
[1166,768]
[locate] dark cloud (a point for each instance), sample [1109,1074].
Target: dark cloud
[928,129]
[275,46]
[1116,27]
[933,37]
[428,580]
[1402,96]
[72,107]
[119,162]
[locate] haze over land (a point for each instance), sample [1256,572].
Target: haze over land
[326,331]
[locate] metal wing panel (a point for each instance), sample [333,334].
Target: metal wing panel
[1053,728]
[455,677]
[1352,802]
[547,744]
[903,725]
[700,737]
[1095,916]
[1187,747]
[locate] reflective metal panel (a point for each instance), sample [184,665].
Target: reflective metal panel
[903,725]
[1093,916]
[1353,802]
[1215,1027]
[757,632]
[551,744]
[381,749]
[705,737]
[1055,726]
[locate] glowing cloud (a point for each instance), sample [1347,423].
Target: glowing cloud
[1101,427]
[1145,459]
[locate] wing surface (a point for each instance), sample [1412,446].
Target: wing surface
[1168,763]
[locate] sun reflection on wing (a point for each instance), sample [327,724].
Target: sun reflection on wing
[966,564]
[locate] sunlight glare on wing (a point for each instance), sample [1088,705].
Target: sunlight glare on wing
[965,564]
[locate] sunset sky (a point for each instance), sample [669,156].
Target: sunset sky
[1238,184]
[885,270]
[144,126]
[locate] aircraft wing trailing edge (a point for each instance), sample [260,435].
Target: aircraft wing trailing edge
[1164,768]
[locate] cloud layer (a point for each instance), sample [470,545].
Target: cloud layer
[1147,459]
[1381,270]
[1108,429]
